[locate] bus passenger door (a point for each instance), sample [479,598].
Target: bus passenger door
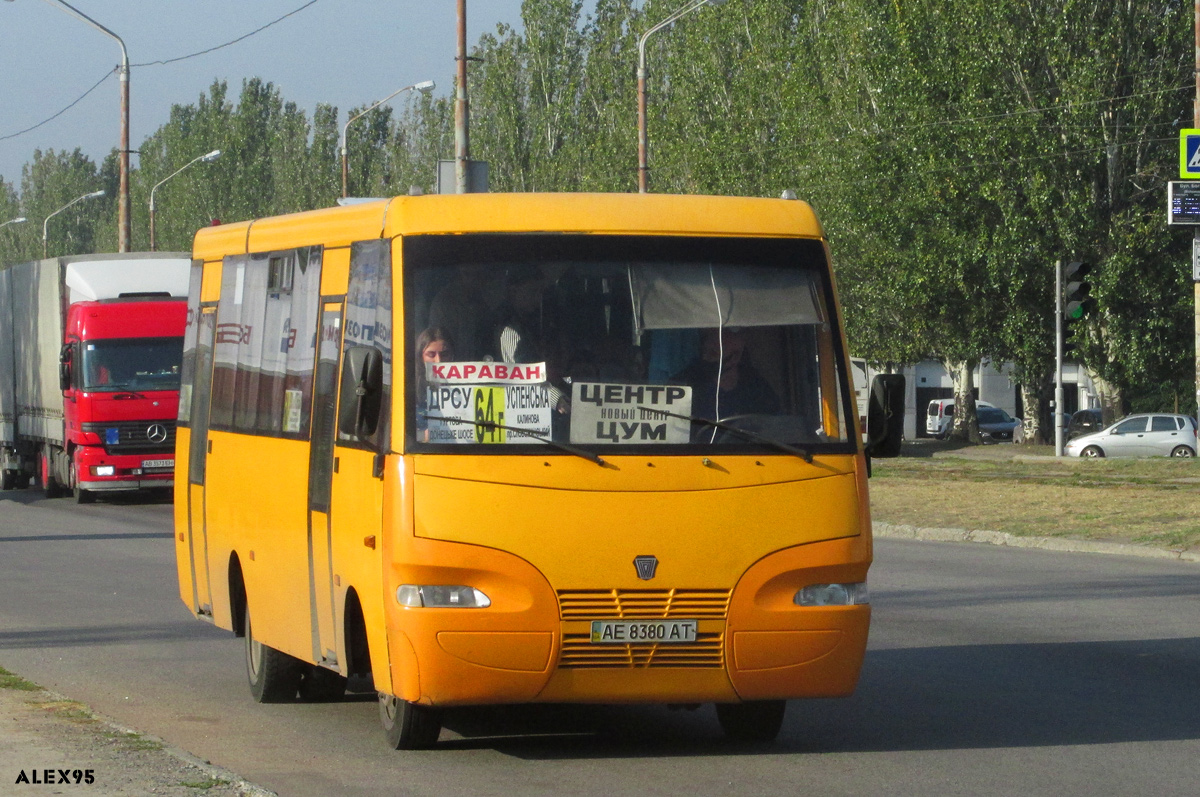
[197,461]
[322,602]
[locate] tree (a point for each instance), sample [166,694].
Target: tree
[50,182]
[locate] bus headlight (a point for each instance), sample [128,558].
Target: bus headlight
[832,595]
[104,470]
[441,597]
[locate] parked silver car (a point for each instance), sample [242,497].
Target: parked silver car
[1147,435]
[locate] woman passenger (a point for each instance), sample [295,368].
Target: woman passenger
[433,346]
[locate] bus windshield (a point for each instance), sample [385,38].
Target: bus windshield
[132,364]
[621,343]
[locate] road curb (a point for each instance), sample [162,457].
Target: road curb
[905,532]
[98,731]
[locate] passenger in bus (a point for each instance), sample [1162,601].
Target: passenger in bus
[433,346]
[519,334]
[743,391]
[522,335]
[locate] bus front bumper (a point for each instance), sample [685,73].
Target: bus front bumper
[767,648]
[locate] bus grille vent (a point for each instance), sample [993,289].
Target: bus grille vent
[625,604]
[578,652]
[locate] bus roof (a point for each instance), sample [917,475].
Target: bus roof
[603,214]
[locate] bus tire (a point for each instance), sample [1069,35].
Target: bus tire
[274,676]
[408,726]
[8,479]
[755,721]
[83,496]
[319,685]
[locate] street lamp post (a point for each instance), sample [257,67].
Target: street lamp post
[17,220]
[209,158]
[643,142]
[92,195]
[123,214]
[424,87]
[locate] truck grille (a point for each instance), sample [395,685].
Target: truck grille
[578,652]
[134,437]
[624,604]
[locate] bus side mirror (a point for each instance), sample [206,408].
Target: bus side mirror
[64,367]
[885,416]
[361,392]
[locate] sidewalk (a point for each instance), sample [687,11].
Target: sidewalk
[48,740]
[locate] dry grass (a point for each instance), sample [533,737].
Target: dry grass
[1149,501]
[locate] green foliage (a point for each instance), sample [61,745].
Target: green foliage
[51,182]
[954,149]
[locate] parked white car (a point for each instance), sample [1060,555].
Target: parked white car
[1145,435]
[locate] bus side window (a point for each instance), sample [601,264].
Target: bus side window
[368,325]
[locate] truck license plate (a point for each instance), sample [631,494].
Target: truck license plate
[642,632]
[158,463]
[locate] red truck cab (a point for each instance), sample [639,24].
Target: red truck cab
[120,378]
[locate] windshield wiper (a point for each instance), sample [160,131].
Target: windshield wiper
[570,449]
[746,433]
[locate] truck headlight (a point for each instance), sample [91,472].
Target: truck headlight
[104,470]
[832,595]
[441,597]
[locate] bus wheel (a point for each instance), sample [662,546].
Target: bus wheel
[319,685]
[8,479]
[274,676]
[756,721]
[408,726]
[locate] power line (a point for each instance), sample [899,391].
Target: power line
[60,113]
[228,43]
[158,63]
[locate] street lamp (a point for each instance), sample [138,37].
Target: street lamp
[123,224]
[209,158]
[17,220]
[424,87]
[643,169]
[92,195]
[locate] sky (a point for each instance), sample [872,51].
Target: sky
[346,53]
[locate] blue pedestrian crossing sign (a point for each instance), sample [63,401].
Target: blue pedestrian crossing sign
[1189,153]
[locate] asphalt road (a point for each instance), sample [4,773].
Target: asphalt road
[990,671]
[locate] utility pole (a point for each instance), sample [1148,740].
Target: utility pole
[462,123]
[1196,230]
[1058,356]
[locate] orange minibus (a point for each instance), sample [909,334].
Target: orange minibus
[512,448]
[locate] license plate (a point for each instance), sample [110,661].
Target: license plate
[643,632]
[158,463]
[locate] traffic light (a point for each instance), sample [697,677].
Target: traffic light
[1076,304]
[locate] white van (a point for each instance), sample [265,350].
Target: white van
[940,416]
